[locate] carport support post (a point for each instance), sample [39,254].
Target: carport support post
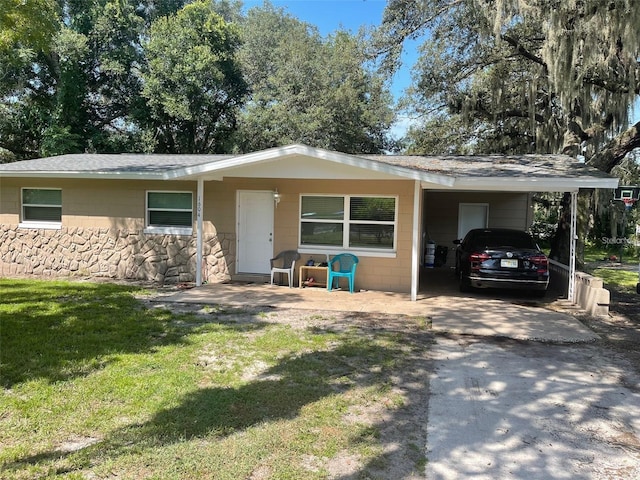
[200,195]
[415,250]
[572,247]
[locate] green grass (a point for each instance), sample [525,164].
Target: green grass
[621,279]
[597,253]
[624,279]
[94,385]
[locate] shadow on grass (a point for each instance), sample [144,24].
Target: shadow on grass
[57,330]
[277,393]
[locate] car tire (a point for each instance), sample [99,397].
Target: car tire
[464,284]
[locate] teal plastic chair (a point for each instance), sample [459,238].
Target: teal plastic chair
[342,266]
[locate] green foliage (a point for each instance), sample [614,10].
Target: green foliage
[57,140]
[308,89]
[165,76]
[193,84]
[27,25]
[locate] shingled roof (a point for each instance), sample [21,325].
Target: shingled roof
[494,165]
[477,171]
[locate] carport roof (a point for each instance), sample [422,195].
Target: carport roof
[519,172]
[478,172]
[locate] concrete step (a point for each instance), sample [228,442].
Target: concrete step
[251,278]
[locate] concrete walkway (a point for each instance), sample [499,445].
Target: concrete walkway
[476,314]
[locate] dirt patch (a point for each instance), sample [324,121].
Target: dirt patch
[620,331]
[400,422]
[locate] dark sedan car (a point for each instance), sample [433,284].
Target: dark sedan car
[501,258]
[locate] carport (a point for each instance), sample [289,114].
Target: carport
[485,181]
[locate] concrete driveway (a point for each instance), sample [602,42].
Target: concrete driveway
[527,410]
[518,389]
[487,314]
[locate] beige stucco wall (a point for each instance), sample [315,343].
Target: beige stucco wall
[506,210]
[90,203]
[107,218]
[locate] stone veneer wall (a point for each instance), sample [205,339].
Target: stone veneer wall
[106,252]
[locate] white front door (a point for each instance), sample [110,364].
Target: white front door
[472,215]
[255,231]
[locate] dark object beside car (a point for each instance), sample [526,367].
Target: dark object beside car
[501,258]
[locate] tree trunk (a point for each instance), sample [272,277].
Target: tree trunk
[617,149]
[610,156]
[560,243]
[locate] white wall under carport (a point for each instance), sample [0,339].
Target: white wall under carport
[441,210]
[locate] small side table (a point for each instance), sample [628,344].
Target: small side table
[318,273]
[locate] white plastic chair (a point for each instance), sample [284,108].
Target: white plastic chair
[287,259]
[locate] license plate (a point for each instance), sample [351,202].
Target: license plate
[509,263]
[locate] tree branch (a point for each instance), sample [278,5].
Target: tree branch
[609,86]
[523,51]
[617,149]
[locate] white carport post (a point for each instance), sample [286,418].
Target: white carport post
[572,247]
[415,242]
[199,222]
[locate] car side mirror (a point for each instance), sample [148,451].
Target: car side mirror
[457,241]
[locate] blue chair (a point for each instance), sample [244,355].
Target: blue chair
[342,266]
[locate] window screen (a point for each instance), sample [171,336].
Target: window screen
[348,222]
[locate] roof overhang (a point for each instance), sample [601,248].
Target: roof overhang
[83,175]
[300,162]
[532,184]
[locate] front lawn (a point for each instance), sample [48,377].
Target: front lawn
[620,276]
[97,385]
[622,280]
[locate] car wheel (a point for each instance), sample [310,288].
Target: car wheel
[465,284]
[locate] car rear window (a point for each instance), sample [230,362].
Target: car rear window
[502,239]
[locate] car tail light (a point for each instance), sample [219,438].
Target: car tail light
[541,262]
[476,260]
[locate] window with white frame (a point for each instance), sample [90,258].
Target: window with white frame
[170,210]
[348,222]
[42,205]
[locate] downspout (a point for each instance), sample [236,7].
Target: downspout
[199,234]
[572,248]
[415,242]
